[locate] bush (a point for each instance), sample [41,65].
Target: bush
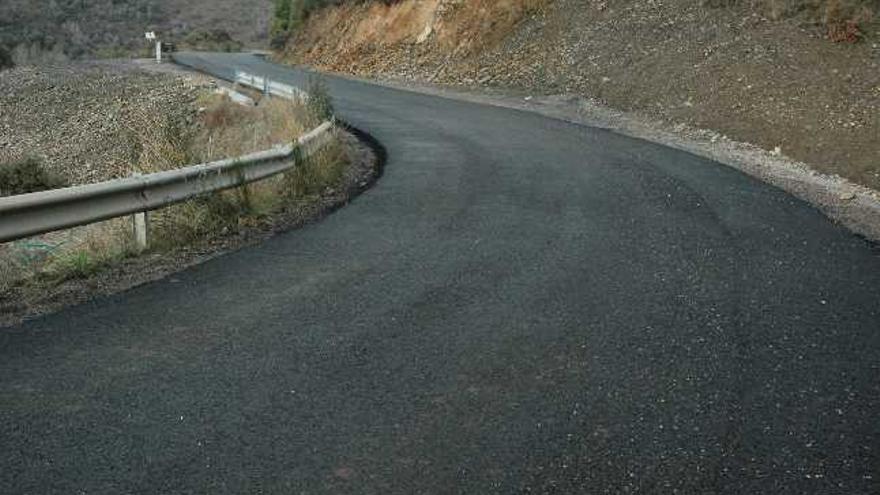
[320,104]
[215,40]
[323,170]
[26,176]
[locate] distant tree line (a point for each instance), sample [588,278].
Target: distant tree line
[46,31]
[56,30]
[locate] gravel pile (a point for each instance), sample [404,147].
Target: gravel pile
[84,121]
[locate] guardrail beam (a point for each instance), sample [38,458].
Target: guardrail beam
[31,214]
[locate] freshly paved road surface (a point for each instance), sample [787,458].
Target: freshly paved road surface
[519,305]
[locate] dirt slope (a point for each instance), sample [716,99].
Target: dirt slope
[775,83]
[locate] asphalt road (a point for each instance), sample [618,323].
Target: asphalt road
[519,305]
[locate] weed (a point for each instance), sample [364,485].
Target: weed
[214,40]
[79,264]
[196,219]
[319,104]
[317,173]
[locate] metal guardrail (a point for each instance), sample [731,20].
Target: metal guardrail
[25,215]
[269,87]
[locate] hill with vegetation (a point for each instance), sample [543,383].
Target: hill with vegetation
[36,32]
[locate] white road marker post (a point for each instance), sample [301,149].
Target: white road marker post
[151,36]
[140,223]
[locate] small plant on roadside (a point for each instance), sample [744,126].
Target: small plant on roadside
[79,264]
[319,104]
[844,32]
[319,172]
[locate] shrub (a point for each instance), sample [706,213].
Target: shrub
[320,104]
[323,170]
[26,176]
[215,40]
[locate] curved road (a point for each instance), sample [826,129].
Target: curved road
[519,305]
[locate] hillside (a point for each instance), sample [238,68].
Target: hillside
[798,78]
[62,29]
[86,122]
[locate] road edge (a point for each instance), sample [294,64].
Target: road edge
[137,271]
[844,202]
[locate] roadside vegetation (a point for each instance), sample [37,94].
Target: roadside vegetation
[227,130]
[220,129]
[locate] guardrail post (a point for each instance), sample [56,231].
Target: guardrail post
[141,225]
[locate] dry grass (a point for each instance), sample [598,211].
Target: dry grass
[60,256]
[226,130]
[230,130]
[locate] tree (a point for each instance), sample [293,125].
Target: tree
[281,21]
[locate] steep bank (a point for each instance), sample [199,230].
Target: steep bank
[775,81]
